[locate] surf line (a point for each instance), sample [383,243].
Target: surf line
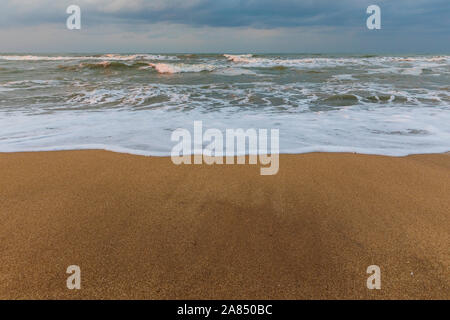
[235,146]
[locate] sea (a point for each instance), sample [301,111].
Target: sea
[373,104]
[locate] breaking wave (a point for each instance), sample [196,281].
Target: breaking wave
[181,67]
[111,57]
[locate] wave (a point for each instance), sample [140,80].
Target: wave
[165,68]
[181,67]
[107,65]
[110,57]
[27,84]
[341,100]
[234,72]
[104,65]
[245,58]
[37,58]
[252,61]
[110,65]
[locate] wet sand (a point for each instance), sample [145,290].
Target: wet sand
[141,227]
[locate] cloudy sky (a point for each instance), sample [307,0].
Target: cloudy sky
[408,26]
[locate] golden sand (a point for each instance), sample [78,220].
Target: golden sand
[141,227]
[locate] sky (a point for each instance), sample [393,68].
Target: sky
[225,26]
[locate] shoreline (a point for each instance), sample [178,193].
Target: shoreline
[141,227]
[151,154]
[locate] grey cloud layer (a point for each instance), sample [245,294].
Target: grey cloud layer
[230,13]
[225,25]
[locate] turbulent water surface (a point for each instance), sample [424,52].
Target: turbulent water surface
[393,105]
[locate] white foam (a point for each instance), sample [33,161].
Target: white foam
[181,67]
[110,57]
[246,58]
[344,77]
[234,72]
[392,131]
[415,71]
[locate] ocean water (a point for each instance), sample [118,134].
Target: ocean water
[390,105]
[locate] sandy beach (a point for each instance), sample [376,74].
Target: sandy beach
[141,227]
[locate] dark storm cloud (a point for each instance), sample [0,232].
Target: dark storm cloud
[235,13]
[232,13]
[226,25]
